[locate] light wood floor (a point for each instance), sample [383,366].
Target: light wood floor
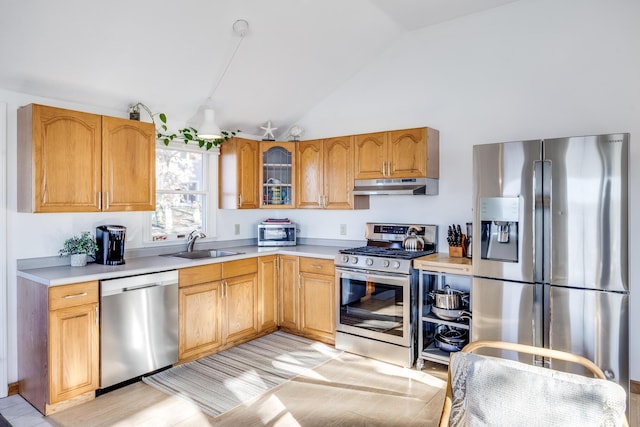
[347,391]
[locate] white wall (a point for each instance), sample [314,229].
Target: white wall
[530,69]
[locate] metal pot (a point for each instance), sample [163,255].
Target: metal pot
[447,314]
[450,339]
[448,299]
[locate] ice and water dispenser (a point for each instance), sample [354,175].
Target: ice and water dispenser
[499,228]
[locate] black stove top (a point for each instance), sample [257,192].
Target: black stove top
[387,252]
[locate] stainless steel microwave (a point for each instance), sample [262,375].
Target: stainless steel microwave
[277,234]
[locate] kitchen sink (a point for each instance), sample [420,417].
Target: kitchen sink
[204,253]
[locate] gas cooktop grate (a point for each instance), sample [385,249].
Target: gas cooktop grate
[386,252]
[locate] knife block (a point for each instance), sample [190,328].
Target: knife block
[459,251]
[456,251]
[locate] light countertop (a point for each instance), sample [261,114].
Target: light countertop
[442,262]
[63,275]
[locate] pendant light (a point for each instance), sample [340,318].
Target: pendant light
[209,129]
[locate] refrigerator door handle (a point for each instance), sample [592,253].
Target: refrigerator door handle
[547,225]
[540,322]
[540,219]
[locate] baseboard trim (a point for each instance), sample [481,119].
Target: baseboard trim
[13,389]
[634,387]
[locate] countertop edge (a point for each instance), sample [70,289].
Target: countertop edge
[64,275]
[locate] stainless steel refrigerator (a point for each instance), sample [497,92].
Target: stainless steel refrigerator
[550,248]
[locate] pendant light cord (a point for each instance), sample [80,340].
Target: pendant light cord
[224,73]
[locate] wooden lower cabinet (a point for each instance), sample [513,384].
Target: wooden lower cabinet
[317,312]
[307,297]
[217,307]
[240,307]
[73,351]
[267,292]
[288,291]
[58,344]
[199,319]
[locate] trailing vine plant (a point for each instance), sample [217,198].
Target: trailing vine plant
[187,134]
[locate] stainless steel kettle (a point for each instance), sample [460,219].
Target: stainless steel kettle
[413,242]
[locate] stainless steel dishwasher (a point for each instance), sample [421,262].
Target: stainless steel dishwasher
[138,325]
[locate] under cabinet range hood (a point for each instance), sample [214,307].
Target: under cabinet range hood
[390,186]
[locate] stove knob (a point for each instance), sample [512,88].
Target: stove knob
[354,260]
[395,264]
[345,258]
[369,261]
[385,263]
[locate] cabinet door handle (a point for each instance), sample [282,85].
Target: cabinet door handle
[97,315]
[383,168]
[106,197]
[320,200]
[388,168]
[99,199]
[239,200]
[299,281]
[83,294]
[316,266]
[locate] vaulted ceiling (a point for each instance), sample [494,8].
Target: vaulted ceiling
[176,56]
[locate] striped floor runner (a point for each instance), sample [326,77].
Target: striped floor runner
[224,380]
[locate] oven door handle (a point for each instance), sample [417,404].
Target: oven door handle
[368,276]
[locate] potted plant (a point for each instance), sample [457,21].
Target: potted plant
[78,247]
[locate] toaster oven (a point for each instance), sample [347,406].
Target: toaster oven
[276,234]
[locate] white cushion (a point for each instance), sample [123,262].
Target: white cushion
[489,391]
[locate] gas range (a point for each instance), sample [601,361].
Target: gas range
[377,288]
[384,251]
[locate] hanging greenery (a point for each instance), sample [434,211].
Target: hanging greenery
[187,134]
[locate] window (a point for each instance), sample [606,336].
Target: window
[185,192]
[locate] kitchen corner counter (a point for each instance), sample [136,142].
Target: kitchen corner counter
[64,275]
[443,263]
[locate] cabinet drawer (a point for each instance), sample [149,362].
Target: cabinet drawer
[317,265]
[239,267]
[201,274]
[73,295]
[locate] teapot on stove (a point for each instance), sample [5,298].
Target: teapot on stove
[413,242]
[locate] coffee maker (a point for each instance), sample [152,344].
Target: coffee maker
[110,240]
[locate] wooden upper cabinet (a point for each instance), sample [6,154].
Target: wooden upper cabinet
[59,160]
[238,174]
[338,173]
[128,165]
[325,175]
[370,155]
[310,167]
[69,161]
[406,153]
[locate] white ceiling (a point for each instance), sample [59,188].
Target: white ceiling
[170,55]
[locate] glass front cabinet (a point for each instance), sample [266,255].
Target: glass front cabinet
[277,174]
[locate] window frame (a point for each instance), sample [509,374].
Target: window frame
[209,189]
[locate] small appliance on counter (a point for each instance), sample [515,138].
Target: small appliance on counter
[276,232]
[110,240]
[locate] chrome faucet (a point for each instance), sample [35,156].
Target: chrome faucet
[193,236]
